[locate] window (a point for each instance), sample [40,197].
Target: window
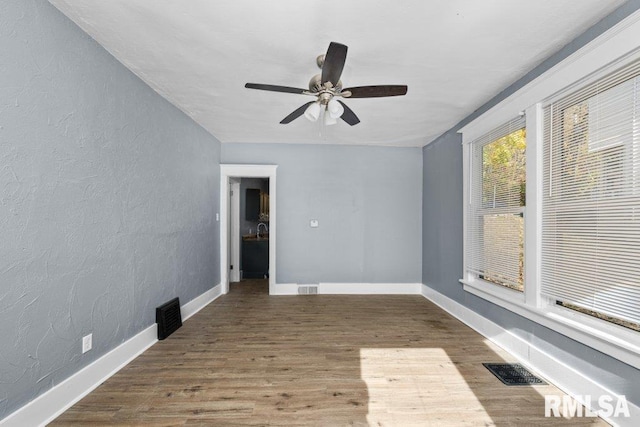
[567,257]
[495,223]
[591,199]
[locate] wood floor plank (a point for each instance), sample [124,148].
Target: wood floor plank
[251,359]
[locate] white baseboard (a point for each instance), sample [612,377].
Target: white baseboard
[564,377]
[370,288]
[48,406]
[285,289]
[199,302]
[353,288]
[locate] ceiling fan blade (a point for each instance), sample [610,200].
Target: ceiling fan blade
[376,91]
[334,63]
[349,116]
[300,111]
[274,88]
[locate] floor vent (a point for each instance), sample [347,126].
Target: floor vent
[308,290]
[513,374]
[168,318]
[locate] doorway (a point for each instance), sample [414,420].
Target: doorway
[252,239]
[230,223]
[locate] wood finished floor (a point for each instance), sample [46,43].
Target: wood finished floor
[251,359]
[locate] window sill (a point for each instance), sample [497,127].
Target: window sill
[488,290]
[612,340]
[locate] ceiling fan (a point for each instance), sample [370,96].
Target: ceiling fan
[327,87]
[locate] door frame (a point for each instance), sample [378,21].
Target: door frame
[228,171]
[234,237]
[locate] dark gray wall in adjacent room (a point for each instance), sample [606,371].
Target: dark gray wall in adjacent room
[368,204]
[247,226]
[442,240]
[108,196]
[259,184]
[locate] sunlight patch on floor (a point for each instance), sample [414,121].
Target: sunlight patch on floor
[407,386]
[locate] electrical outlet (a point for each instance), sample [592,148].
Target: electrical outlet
[87,343]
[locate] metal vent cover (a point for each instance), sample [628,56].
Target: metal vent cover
[308,290]
[513,374]
[168,318]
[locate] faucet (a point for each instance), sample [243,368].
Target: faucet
[266,229]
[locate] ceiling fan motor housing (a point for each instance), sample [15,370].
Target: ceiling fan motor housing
[324,98]
[315,84]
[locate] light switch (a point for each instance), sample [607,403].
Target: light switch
[313,223]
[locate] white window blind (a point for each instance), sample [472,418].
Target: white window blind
[591,197]
[495,224]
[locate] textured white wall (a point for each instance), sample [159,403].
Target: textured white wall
[108,197]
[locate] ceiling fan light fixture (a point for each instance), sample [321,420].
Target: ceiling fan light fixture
[312,112]
[335,109]
[329,119]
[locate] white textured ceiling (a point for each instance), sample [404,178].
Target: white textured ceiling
[454,55]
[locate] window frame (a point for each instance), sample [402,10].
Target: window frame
[614,49]
[606,189]
[471,174]
[476,180]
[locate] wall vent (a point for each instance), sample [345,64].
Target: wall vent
[168,318]
[513,374]
[308,290]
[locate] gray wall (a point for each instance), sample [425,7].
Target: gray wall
[366,199]
[442,242]
[108,197]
